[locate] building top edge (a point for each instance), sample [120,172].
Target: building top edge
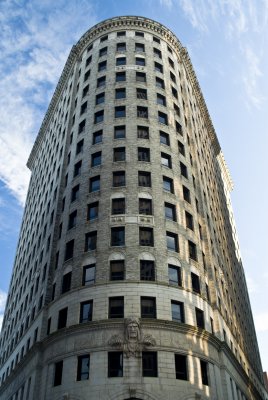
[130,22]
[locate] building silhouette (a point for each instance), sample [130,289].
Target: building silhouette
[127,281]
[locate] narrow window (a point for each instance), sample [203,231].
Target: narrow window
[166,160]
[102,66]
[86,310]
[100,98]
[189,220]
[88,274]
[103,51]
[92,211]
[146,236]
[181,148]
[158,67]
[79,146]
[149,364]
[115,364]
[204,372]
[77,168]
[66,282]
[172,241]
[195,283]
[186,194]
[184,170]
[170,211]
[177,311]
[91,241]
[145,206]
[120,132]
[97,137]
[181,367]
[147,270]
[96,159]
[62,318]
[117,270]
[119,178]
[69,250]
[118,206]
[94,184]
[144,179]
[143,132]
[148,307]
[118,236]
[98,117]
[116,307]
[161,99]
[162,118]
[72,220]
[83,367]
[174,275]
[200,322]
[192,250]
[58,366]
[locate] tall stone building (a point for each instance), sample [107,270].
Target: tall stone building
[128,282]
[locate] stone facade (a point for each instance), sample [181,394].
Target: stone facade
[128,282]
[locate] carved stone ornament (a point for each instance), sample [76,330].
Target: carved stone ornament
[133,341]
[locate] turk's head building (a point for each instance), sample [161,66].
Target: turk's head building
[128,282]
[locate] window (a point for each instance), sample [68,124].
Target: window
[177,109]
[174,275]
[171,62]
[97,137]
[92,211]
[192,250]
[162,118]
[146,236]
[98,116]
[148,307]
[204,372]
[186,194]
[94,184]
[69,250]
[200,322]
[189,221]
[119,178]
[86,76]
[88,274]
[103,51]
[140,77]
[155,39]
[158,67]
[121,46]
[119,154]
[195,283]
[159,83]
[100,98]
[142,112]
[120,76]
[178,127]
[164,138]
[143,132]
[177,311]
[120,112]
[168,184]
[82,367]
[141,94]
[86,309]
[172,77]
[96,159]
[141,34]
[145,206]
[101,81]
[121,61]
[117,270]
[120,132]
[172,241]
[66,282]
[147,271]
[85,91]
[139,47]
[91,241]
[181,367]
[116,307]
[115,364]
[166,160]
[118,236]
[102,66]
[181,148]
[62,318]
[160,99]
[82,125]
[149,364]
[103,38]
[79,146]
[121,33]
[120,93]
[184,170]
[58,366]
[157,53]
[144,179]
[140,61]
[77,168]
[72,219]
[143,154]
[83,108]
[118,206]
[170,211]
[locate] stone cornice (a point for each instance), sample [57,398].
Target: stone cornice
[117,23]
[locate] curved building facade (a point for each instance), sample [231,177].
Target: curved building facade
[128,282]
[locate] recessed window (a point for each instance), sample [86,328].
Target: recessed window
[100,98]
[121,33]
[181,148]
[164,138]
[116,307]
[97,137]
[143,154]
[200,321]
[86,310]
[94,184]
[117,270]
[58,367]
[96,159]
[158,67]
[149,364]
[141,94]
[204,372]
[66,282]
[186,194]
[121,61]
[148,307]
[88,61]
[177,311]
[147,270]
[189,220]
[166,160]
[120,112]
[141,34]
[156,40]
[174,275]
[83,367]
[115,364]
[101,81]
[98,117]
[121,46]
[171,63]
[157,53]
[118,236]
[85,91]
[146,236]
[103,51]
[192,250]
[145,206]
[168,184]
[103,38]
[102,66]
[119,178]
[172,241]
[119,154]
[195,283]
[172,77]
[69,250]
[170,211]
[120,76]
[140,77]
[91,241]
[161,99]
[86,76]
[139,47]
[181,367]
[89,274]
[140,61]
[120,132]
[143,132]
[81,126]
[174,92]
[177,110]
[92,211]
[118,206]
[142,112]
[144,178]
[77,168]
[72,219]
[79,146]
[62,318]
[178,127]
[162,118]
[120,93]
[159,83]
[184,171]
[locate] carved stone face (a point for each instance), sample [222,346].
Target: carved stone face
[133,330]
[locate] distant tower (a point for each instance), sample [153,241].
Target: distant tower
[127,282]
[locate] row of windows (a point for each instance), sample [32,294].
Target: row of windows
[121,94]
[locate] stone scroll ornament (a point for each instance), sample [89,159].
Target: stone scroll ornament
[133,341]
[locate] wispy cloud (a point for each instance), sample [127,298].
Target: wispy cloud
[167,3]
[36,39]
[3,298]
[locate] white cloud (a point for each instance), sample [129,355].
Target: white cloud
[167,3]
[3,298]
[251,76]
[261,322]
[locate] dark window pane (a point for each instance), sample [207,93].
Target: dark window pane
[66,282]
[143,132]
[58,373]
[120,132]
[149,364]
[86,309]
[144,179]
[147,271]
[148,307]
[174,274]
[177,310]
[89,274]
[118,206]
[146,236]
[62,318]
[118,236]
[94,184]
[204,372]
[91,241]
[82,367]
[121,61]
[200,322]
[195,282]
[115,364]
[119,178]
[96,159]
[92,210]
[172,241]
[145,206]
[117,270]
[116,307]
[181,367]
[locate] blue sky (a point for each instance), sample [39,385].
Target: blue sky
[227,42]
